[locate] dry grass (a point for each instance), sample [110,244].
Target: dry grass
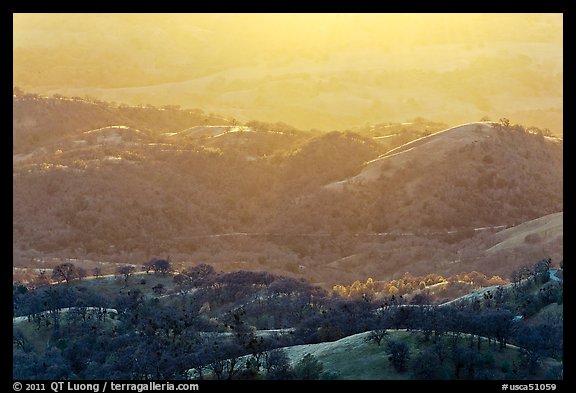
[547,229]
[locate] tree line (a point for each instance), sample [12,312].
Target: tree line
[214,327]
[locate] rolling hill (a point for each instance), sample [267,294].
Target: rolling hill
[446,177]
[110,183]
[546,230]
[41,122]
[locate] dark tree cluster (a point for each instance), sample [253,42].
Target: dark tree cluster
[205,332]
[228,326]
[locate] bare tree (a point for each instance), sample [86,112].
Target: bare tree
[376,335]
[158,266]
[65,272]
[125,272]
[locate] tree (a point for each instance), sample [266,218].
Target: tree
[531,340]
[424,318]
[125,272]
[399,354]
[19,340]
[440,350]
[19,289]
[309,368]
[158,266]
[540,270]
[376,335]
[340,290]
[504,122]
[276,360]
[224,359]
[400,316]
[162,266]
[97,271]
[52,365]
[158,289]
[184,284]
[497,324]
[421,298]
[257,347]
[516,277]
[65,272]
[281,371]
[201,274]
[425,365]
[458,359]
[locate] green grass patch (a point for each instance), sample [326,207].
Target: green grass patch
[354,358]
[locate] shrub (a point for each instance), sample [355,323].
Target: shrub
[309,368]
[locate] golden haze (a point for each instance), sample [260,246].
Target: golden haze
[325,71]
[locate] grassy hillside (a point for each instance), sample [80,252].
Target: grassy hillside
[541,231]
[356,359]
[370,360]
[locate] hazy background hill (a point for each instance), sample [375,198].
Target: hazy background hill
[38,123]
[324,71]
[122,184]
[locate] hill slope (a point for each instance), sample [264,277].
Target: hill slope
[123,185]
[371,362]
[42,122]
[547,230]
[455,178]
